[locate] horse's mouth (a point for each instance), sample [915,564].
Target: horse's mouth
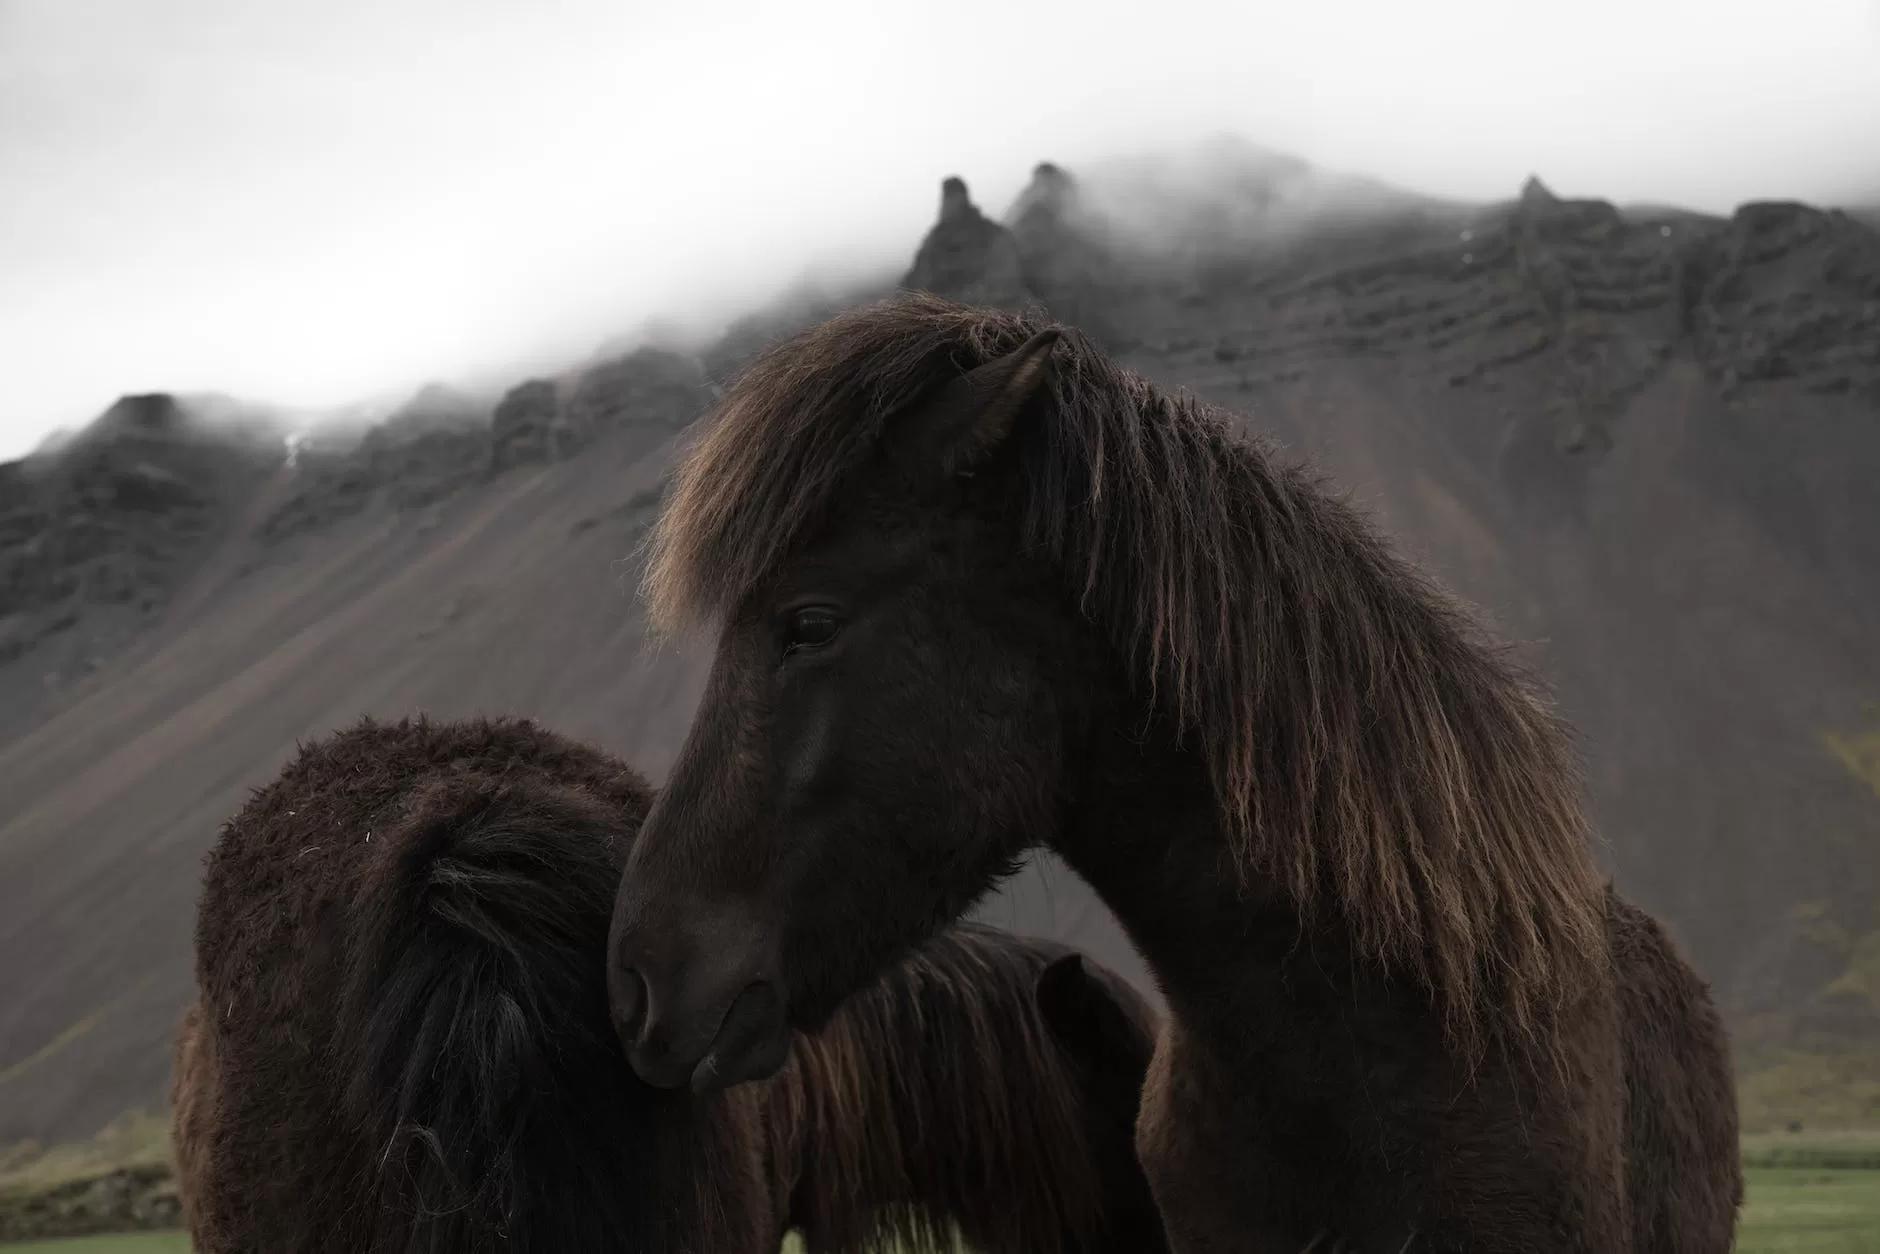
[751,1042]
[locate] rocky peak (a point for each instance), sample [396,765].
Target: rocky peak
[1044,203]
[967,256]
[113,519]
[647,389]
[152,450]
[955,204]
[1536,194]
[152,413]
[1539,211]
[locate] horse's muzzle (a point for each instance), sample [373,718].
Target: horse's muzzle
[706,1013]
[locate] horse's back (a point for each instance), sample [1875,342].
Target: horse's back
[1683,1157]
[402,1040]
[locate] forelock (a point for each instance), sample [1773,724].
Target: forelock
[791,430]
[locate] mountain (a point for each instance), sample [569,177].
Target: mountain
[1644,440]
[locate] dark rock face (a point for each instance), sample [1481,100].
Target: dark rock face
[649,389]
[1790,292]
[429,449]
[441,445]
[115,518]
[116,515]
[1064,257]
[967,256]
[522,429]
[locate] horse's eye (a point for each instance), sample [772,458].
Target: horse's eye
[810,628]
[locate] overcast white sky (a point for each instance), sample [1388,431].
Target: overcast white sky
[307,201]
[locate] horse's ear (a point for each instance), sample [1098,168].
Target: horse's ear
[970,417]
[1078,1011]
[1062,980]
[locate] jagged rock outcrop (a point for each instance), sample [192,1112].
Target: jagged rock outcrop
[649,389]
[1064,257]
[1786,291]
[113,519]
[521,429]
[429,448]
[1044,200]
[967,256]
[442,444]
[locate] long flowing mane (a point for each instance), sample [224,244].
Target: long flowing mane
[1370,750]
[988,1128]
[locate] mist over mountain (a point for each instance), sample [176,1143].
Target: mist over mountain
[1643,440]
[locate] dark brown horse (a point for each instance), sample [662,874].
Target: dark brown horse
[977,588]
[1683,1175]
[871,1152]
[1109,1031]
[401,1043]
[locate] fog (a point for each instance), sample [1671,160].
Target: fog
[314,202]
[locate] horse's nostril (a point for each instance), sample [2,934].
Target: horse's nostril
[628,994]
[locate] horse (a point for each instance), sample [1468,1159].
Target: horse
[1109,1031]
[977,588]
[401,1042]
[860,1166]
[1684,1178]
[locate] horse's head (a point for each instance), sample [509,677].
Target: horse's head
[1107,1029]
[882,734]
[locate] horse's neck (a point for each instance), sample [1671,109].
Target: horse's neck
[1147,836]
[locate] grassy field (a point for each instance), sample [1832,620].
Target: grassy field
[1815,1192]
[153,1243]
[120,1180]
[129,1243]
[1791,1210]
[1810,1210]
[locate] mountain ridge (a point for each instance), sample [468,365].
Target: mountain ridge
[1638,438]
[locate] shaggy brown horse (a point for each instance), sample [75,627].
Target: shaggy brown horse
[861,1163]
[401,1043]
[977,588]
[1110,1032]
[1683,1179]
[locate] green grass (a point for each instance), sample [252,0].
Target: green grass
[1810,1210]
[126,1243]
[120,1179]
[1812,1192]
[1789,1210]
[1847,1150]
[139,1139]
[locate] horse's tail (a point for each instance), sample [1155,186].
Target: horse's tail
[938,1097]
[1683,1158]
[499,1109]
